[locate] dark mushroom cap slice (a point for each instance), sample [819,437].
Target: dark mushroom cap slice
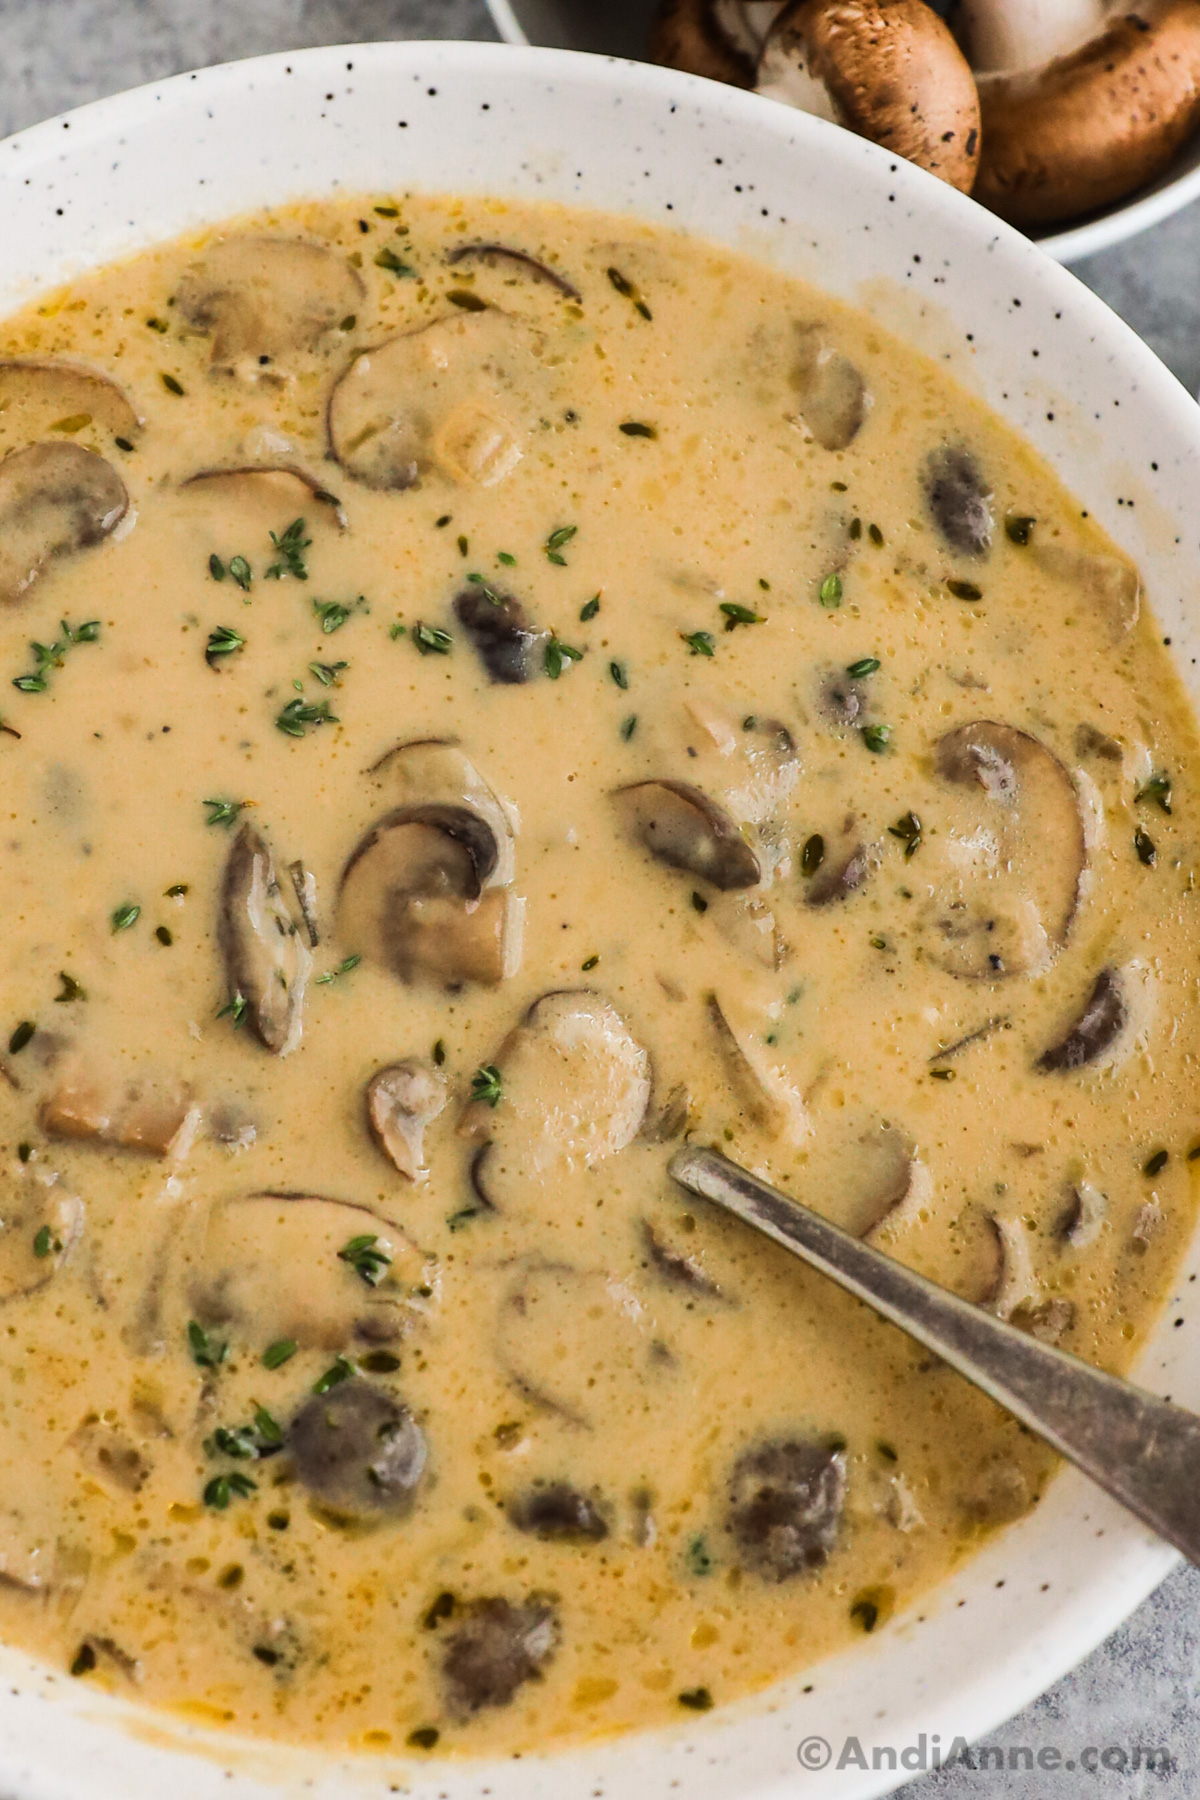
[500,631]
[495,1648]
[784,1505]
[676,1266]
[831,394]
[451,396]
[575,1088]
[847,865]
[43,394]
[56,498]
[889,70]
[261,297]
[359,1451]
[270,1267]
[863,1173]
[1006,888]
[436,771]
[512,257]
[958,499]
[1087,128]
[94,1104]
[402,1101]
[276,483]
[266,960]
[573,1340]
[557,1513]
[41,1228]
[683,828]
[1094,1039]
[1083,1217]
[764,1098]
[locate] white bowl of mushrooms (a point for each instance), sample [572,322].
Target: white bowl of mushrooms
[1072,119]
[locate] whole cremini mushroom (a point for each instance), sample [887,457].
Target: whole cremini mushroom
[722,39]
[1081,107]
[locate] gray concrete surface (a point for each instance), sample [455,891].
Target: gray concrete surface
[1139,1691]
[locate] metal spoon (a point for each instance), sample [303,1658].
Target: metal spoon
[1141,1450]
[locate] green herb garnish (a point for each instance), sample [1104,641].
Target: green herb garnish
[126,916]
[556,542]
[698,1557]
[221,812]
[395,265]
[164,936]
[343,968]
[557,655]
[1158,789]
[699,903]
[299,714]
[224,641]
[341,1369]
[617,671]
[1018,528]
[333,614]
[222,1488]
[812,855]
[830,591]
[21,1037]
[431,640]
[866,665]
[908,830]
[697,1699]
[876,737]
[281,1351]
[290,546]
[702,643]
[50,656]
[45,1242]
[628,291]
[638,428]
[327,673]
[235,1008]
[486,1084]
[1144,844]
[466,299]
[71,990]
[172,385]
[589,609]
[1157,1163]
[241,572]
[367,1257]
[965,590]
[628,727]
[207,1353]
[736,615]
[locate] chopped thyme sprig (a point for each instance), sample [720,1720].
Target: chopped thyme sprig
[589,609]
[395,265]
[223,812]
[207,1353]
[876,737]
[557,542]
[125,916]
[866,665]
[485,587]
[50,656]
[343,968]
[702,643]
[235,1009]
[736,615]
[221,1489]
[281,1351]
[909,831]
[431,640]
[341,1369]
[557,655]
[368,1257]
[327,673]
[224,641]
[628,291]
[290,545]
[300,713]
[487,1085]
[333,614]
[71,990]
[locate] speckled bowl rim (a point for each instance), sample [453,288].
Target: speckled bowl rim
[1010,324]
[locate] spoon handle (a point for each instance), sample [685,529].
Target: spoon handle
[1141,1450]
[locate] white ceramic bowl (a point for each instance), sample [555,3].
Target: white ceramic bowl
[619,28]
[1011,325]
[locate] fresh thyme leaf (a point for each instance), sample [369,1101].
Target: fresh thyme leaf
[736,615]
[159,325]
[866,665]
[628,291]
[830,591]
[45,1242]
[172,385]
[50,656]
[556,543]
[233,1440]
[617,671]
[466,299]
[327,673]
[589,609]
[588,963]
[395,265]
[267,1427]
[638,428]
[235,1008]
[341,1369]
[812,855]
[908,830]
[281,1351]
[1147,851]
[457,1220]
[503,556]
[941,1074]
[702,643]
[1158,789]
[221,1489]
[290,545]
[965,590]
[875,535]
[299,714]
[180,889]
[698,1557]
[1156,1163]
[876,737]
[21,1037]
[71,990]
[216,567]
[485,588]
[558,655]
[699,903]
[222,812]
[126,916]
[241,572]
[629,726]
[367,1257]
[855,529]
[207,1353]
[431,640]
[396,630]
[439,1053]
[224,641]
[164,936]
[487,1085]
[332,614]
[343,968]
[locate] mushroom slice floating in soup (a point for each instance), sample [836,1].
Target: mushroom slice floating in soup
[831,393]
[862,1173]
[402,1101]
[498,627]
[574,1088]
[450,396]
[675,1266]
[846,865]
[267,483]
[437,772]
[323,1273]
[1096,1036]
[959,499]
[261,297]
[98,1106]
[55,500]
[784,1505]
[1004,876]
[683,828]
[267,963]
[495,1649]
[358,1451]
[1110,586]
[572,1340]
[765,1100]
[44,394]
[520,260]
[1083,1217]
[557,1513]
[39,1227]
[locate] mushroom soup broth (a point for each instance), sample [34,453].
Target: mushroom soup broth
[477,717]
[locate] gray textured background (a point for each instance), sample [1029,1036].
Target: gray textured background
[1141,1688]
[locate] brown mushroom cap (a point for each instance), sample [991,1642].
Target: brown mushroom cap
[261,297]
[1090,127]
[706,37]
[889,70]
[266,961]
[55,498]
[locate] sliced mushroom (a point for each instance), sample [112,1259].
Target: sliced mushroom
[97,1106]
[304,882]
[1004,880]
[1110,586]
[1016,1287]
[1047,1320]
[271,1267]
[683,828]
[39,1228]
[108,1454]
[862,1173]
[402,1102]
[842,700]
[675,1266]
[262,297]
[55,500]
[358,1451]
[436,772]
[1095,1038]
[27,1559]
[784,1505]
[277,484]
[521,260]
[266,961]
[496,1649]
[831,392]
[557,1513]
[572,1341]
[889,70]
[452,396]
[763,1097]
[44,394]
[721,39]
[575,1086]
[959,499]
[1083,1217]
[846,865]
[498,627]
[670,1120]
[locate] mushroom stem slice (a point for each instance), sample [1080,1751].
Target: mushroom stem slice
[43,394]
[675,1267]
[260,297]
[436,772]
[266,961]
[305,884]
[1095,1038]
[682,827]
[90,1106]
[1083,1217]
[573,1340]
[557,1513]
[402,1102]
[767,1104]
[55,499]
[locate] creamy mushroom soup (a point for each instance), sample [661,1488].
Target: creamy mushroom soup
[493,692]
